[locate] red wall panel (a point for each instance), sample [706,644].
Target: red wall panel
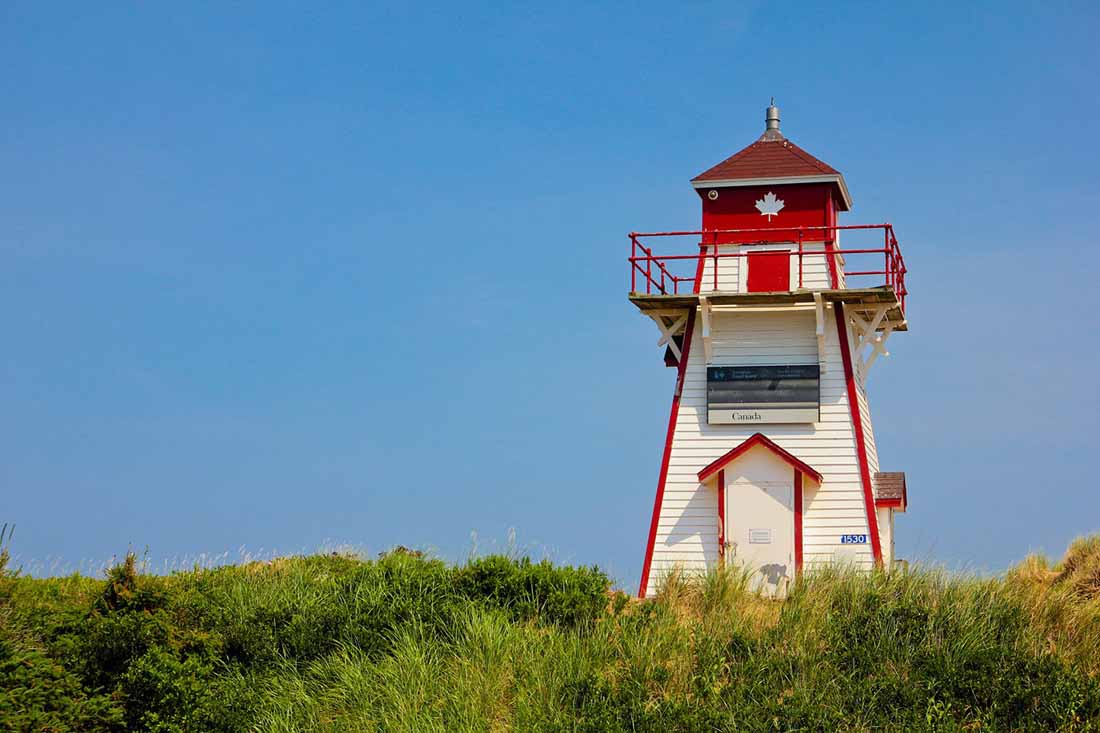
[804,204]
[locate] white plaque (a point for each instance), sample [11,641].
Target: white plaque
[721,416]
[760,536]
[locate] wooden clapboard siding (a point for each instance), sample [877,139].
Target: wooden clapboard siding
[687,528]
[757,338]
[865,416]
[868,431]
[729,270]
[815,268]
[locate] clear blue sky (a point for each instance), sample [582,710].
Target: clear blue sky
[276,275]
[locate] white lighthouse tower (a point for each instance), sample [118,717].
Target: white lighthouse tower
[772,326]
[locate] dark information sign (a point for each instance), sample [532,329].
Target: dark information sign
[763,394]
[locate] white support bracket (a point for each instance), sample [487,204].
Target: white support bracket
[819,311]
[704,310]
[867,334]
[674,327]
[878,345]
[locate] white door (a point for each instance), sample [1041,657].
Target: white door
[760,532]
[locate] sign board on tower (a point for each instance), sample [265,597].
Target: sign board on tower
[748,395]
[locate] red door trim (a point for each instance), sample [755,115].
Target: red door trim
[722,516]
[857,424]
[797,522]
[751,442]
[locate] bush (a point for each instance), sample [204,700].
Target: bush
[568,597]
[37,693]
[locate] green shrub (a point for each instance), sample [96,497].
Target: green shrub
[37,693]
[565,596]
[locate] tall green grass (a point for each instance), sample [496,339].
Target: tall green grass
[404,643]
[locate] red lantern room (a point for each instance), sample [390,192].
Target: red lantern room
[760,193]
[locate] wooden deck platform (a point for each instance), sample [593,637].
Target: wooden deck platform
[864,298]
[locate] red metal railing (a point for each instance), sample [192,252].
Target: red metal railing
[665,274]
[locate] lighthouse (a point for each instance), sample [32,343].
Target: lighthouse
[773,314]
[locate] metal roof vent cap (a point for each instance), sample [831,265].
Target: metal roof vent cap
[771,123]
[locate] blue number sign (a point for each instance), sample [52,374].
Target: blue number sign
[853,539]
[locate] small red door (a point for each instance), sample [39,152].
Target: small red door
[769,272]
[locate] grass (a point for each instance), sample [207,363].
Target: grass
[405,643]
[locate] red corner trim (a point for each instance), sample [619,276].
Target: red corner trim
[681,368]
[797,521]
[890,504]
[754,440]
[830,220]
[857,424]
[721,516]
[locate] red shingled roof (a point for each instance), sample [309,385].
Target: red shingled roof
[768,158]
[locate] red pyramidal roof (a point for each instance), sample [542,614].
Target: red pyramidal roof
[772,159]
[768,159]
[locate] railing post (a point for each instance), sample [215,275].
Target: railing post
[799,258]
[633,264]
[715,238]
[648,271]
[886,253]
[895,263]
[897,260]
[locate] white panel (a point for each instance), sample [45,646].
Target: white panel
[778,416]
[760,518]
[886,535]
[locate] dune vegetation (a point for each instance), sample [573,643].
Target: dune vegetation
[407,643]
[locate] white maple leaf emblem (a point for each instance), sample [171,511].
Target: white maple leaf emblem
[769,206]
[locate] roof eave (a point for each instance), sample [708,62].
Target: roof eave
[753,441]
[836,178]
[898,505]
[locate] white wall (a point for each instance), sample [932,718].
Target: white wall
[886,534]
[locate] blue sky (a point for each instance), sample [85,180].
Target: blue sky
[277,276]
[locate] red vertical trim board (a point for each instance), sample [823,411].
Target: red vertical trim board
[681,368]
[857,424]
[797,522]
[721,516]
[830,221]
